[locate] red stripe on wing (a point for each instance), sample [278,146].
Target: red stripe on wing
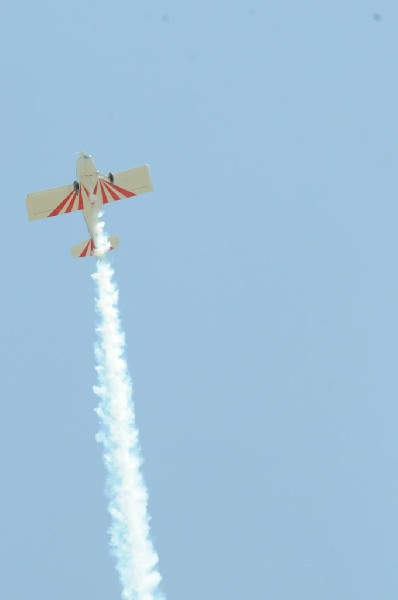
[109,189]
[69,208]
[61,205]
[80,205]
[103,193]
[125,193]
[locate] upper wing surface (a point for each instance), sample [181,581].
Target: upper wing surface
[54,202]
[125,184]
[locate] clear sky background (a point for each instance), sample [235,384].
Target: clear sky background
[258,293]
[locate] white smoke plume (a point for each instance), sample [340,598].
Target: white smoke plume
[136,559]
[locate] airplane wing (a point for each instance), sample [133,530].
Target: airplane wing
[54,202]
[123,184]
[65,199]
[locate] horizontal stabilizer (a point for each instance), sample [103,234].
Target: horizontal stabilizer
[87,248]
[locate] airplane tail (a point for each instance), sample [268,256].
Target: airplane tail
[87,248]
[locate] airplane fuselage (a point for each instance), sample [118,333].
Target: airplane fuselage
[87,175]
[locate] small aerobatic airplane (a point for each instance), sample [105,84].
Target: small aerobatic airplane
[89,193]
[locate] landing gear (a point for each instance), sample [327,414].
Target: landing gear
[76,186]
[111,177]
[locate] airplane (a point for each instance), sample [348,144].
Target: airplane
[91,191]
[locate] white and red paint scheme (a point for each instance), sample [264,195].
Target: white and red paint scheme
[88,193]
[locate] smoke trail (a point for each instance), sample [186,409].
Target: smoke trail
[136,559]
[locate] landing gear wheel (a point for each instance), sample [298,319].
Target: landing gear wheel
[76,186]
[111,177]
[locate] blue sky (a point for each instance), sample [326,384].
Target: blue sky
[258,294]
